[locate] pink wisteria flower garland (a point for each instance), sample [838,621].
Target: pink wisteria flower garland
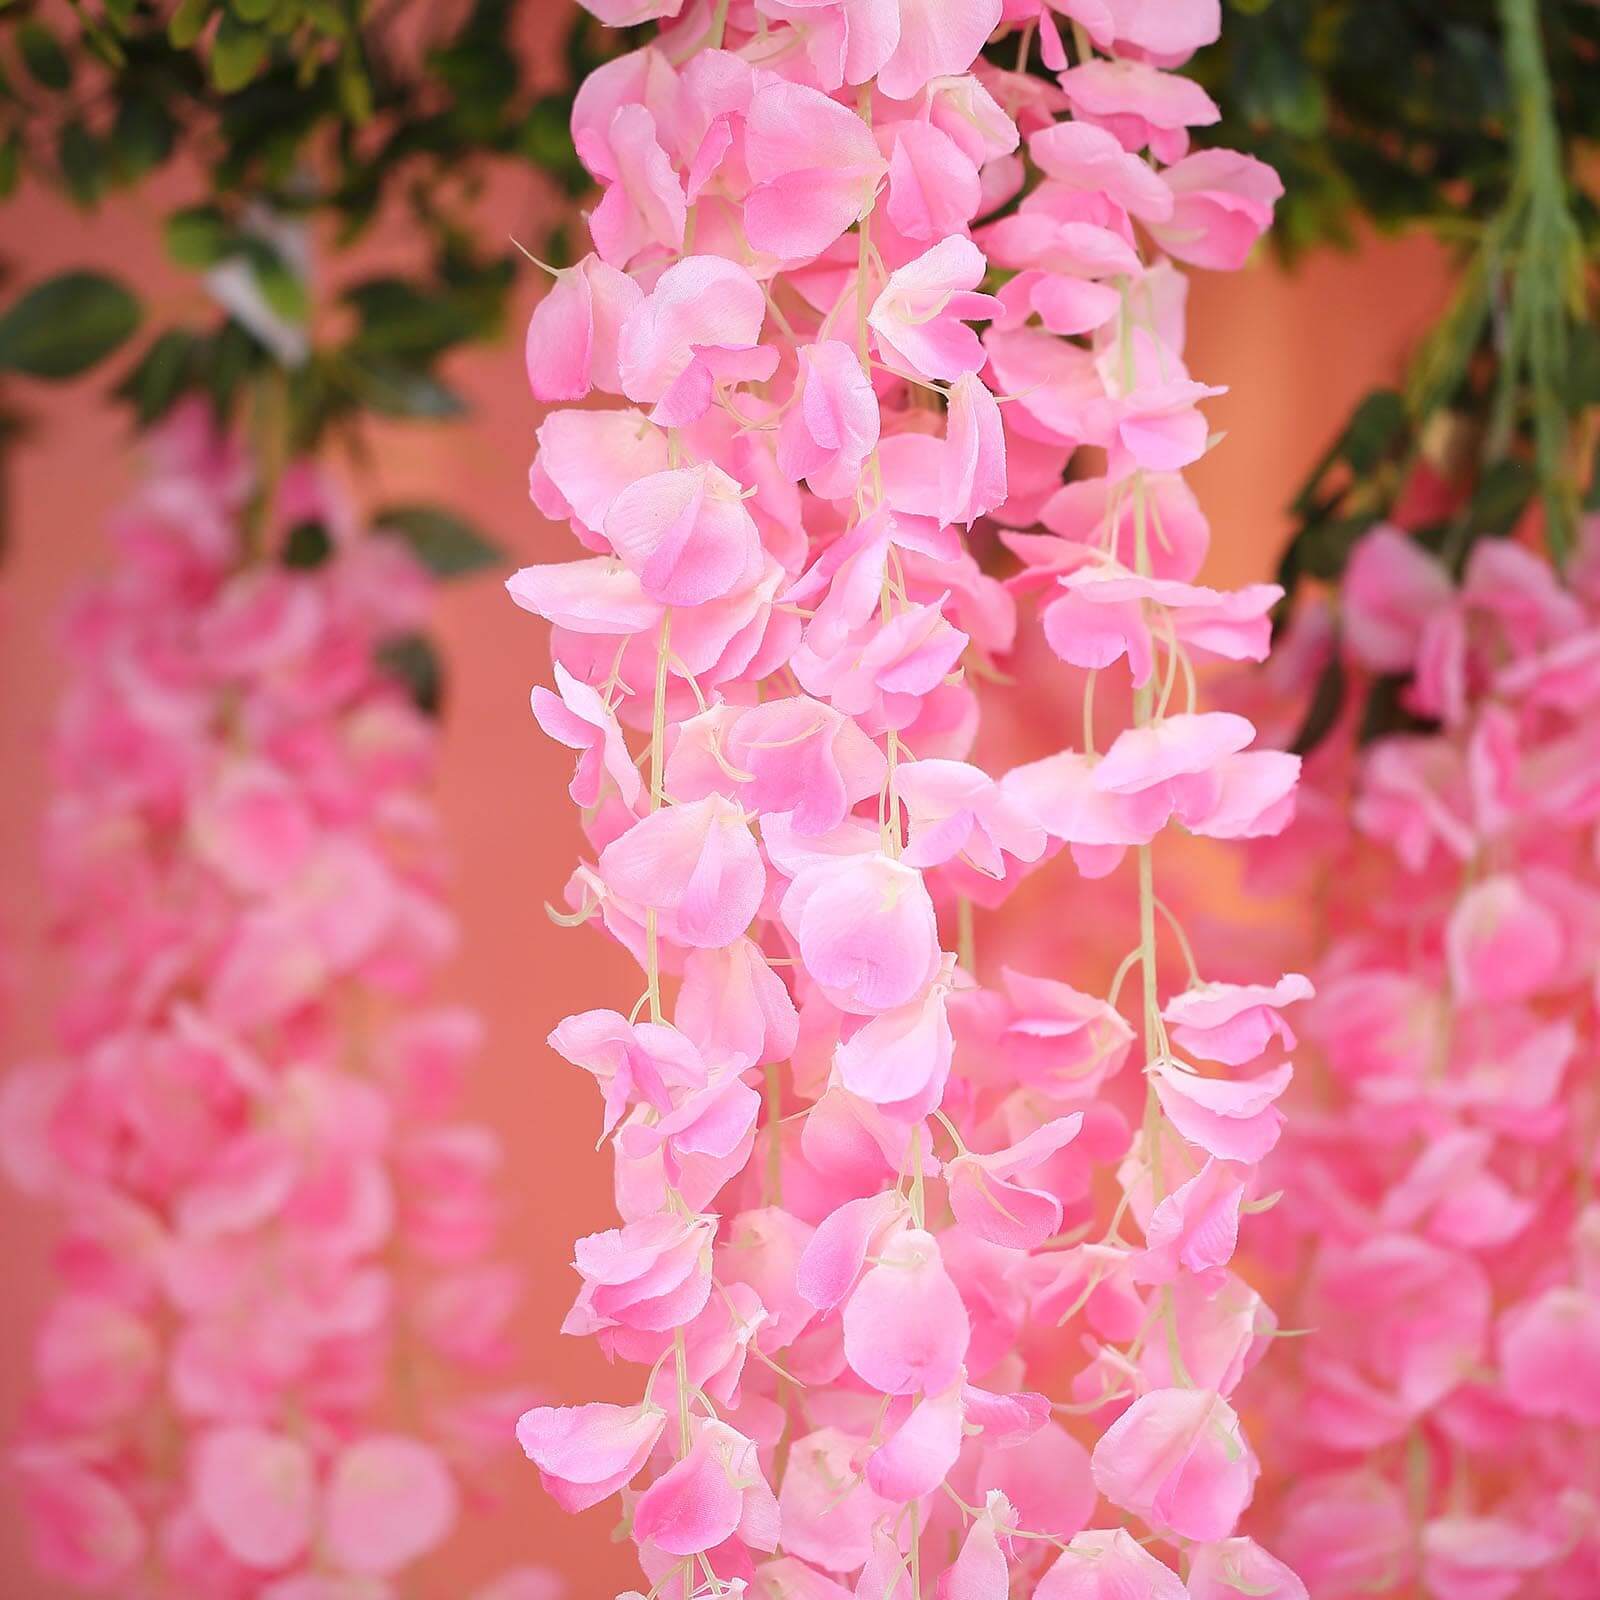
[276,1243]
[926,1289]
[1440,1432]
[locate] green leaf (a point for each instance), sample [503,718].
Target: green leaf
[103,44]
[187,22]
[281,286]
[411,658]
[1327,701]
[237,54]
[64,326]
[141,137]
[445,544]
[401,320]
[1386,712]
[1502,495]
[1372,429]
[307,545]
[355,85]
[48,64]
[198,236]
[395,390]
[10,162]
[160,377]
[82,159]
[252,11]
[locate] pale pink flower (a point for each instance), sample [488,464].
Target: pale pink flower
[1108,1566]
[905,1328]
[572,337]
[1231,1120]
[580,719]
[1223,203]
[1233,1023]
[1176,1457]
[257,1491]
[866,931]
[389,1499]
[832,430]
[697,864]
[815,167]
[918,318]
[699,326]
[686,533]
[586,1453]
[716,1491]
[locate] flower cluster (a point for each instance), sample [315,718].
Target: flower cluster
[927,1290]
[1442,1427]
[276,1243]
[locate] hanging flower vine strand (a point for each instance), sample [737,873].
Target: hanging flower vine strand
[879,1309]
[1442,1431]
[276,1252]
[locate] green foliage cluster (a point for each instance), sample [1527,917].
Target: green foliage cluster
[300,117]
[1467,118]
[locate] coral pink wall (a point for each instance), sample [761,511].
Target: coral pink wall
[1298,352]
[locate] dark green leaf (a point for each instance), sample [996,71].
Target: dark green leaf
[160,377]
[1327,701]
[82,159]
[306,545]
[10,162]
[48,64]
[411,659]
[64,326]
[1386,712]
[401,320]
[103,45]
[442,541]
[198,236]
[1501,497]
[281,286]
[395,390]
[1324,547]
[1372,429]
[141,137]
[237,54]
[188,21]
[232,356]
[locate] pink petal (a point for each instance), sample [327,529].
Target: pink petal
[257,1492]
[905,1327]
[390,1500]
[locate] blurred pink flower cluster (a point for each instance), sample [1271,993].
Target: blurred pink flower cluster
[1441,1425]
[923,1265]
[276,1243]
